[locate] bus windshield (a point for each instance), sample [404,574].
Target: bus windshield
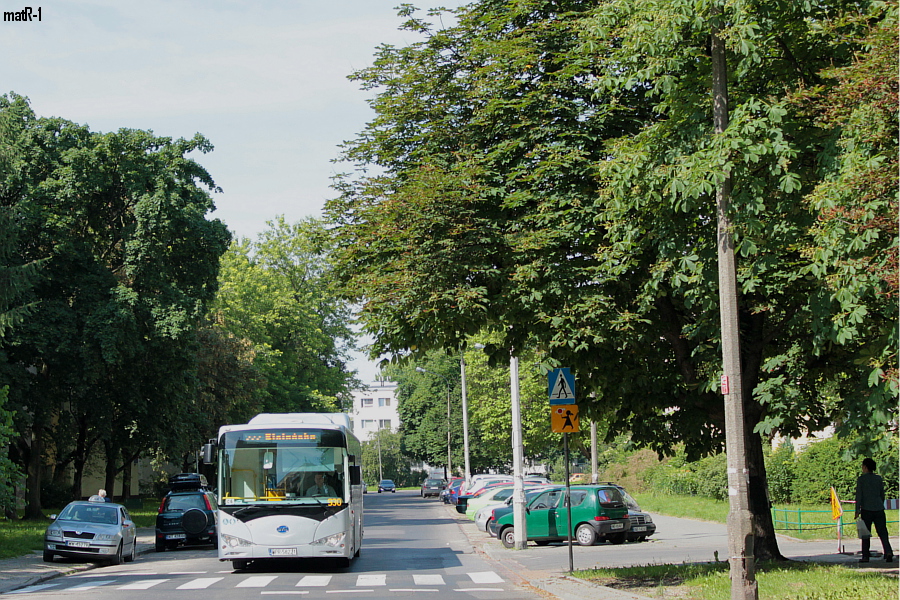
[299,466]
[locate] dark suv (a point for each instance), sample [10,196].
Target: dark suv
[187,515]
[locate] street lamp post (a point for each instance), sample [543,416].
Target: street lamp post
[465,414]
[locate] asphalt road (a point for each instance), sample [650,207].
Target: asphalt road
[411,548]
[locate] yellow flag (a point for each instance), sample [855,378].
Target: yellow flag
[836,510]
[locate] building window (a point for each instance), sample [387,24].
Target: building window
[384,424]
[367,423]
[368,402]
[384,402]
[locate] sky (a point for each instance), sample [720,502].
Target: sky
[266,83]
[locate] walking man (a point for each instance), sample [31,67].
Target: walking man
[870,506]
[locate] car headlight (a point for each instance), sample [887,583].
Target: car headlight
[105,537]
[334,541]
[234,541]
[648,519]
[54,533]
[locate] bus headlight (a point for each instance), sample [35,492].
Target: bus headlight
[335,541]
[234,542]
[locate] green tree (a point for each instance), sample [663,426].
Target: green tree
[547,172]
[131,261]
[277,293]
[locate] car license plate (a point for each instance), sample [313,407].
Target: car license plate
[79,544]
[282,552]
[616,525]
[176,536]
[639,528]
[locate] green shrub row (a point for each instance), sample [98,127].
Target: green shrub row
[803,477]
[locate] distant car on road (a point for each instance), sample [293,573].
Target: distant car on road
[96,531]
[431,487]
[386,485]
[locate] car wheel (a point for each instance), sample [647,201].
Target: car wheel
[394,491]
[542,542]
[48,556]
[379,490]
[160,546]
[117,557]
[586,535]
[618,538]
[133,553]
[508,538]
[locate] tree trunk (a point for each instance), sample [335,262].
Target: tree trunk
[766,544]
[112,459]
[34,472]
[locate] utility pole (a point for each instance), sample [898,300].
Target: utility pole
[740,530]
[519,524]
[467,470]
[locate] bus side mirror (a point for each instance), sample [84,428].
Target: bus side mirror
[355,475]
[209,452]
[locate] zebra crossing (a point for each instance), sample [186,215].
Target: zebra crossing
[483,581]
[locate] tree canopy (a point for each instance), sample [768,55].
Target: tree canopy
[546,172]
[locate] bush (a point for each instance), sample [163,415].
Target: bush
[780,471]
[820,466]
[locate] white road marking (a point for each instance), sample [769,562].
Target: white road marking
[199,584]
[377,579]
[314,581]
[485,577]
[91,585]
[414,590]
[145,584]
[286,592]
[257,582]
[479,590]
[428,579]
[34,588]
[349,591]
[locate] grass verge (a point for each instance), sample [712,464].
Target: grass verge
[812,522]
[776,581]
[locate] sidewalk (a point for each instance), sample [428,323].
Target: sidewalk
[31,569]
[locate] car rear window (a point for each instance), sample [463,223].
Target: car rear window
[186,502]
[610,498]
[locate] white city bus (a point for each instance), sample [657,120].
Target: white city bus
[289,485]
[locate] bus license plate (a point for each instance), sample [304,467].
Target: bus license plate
[616,525]
[639,528]
[79,544]
[282,552]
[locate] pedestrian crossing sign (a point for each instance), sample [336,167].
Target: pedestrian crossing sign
[564,419]
[561,386]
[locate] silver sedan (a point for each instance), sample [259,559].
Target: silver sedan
[100,531]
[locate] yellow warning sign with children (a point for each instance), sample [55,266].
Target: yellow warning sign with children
[564,418]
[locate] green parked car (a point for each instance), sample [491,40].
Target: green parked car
[599,513]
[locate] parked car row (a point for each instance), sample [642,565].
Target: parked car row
[600,513]
[100,530]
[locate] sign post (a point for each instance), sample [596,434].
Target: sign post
[564,419]
[836,512]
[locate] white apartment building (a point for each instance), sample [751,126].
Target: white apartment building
[374,408]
